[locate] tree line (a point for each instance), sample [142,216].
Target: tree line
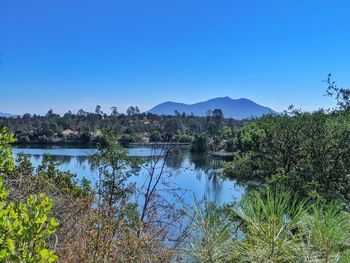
[212,132]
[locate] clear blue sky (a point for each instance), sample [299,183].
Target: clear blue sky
[67,54]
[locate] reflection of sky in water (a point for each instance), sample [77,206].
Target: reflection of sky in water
[195,173]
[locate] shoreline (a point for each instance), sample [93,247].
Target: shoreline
[94,144]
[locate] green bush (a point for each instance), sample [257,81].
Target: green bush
[25,229]
[6,159]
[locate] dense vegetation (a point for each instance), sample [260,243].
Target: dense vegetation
[133,127]
[309,153]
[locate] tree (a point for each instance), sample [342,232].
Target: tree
[156,136]
[200,143]
[306,152]
[132,111]
[81,112]
[114,206]
[114,111]
[342,95]
[98,110]
[49,113]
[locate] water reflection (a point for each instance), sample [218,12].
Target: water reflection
[199,174]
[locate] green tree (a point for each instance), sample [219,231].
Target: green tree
[308,153]
[200,143]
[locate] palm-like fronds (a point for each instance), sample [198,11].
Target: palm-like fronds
[272,224]
[327,235]
[272,227]
[211,234]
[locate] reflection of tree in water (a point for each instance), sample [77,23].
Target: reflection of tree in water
[179,162]
[206,166]
[36,157]
[61,159]
[82,162]
[176,158]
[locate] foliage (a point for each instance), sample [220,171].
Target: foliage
[200,143]
[211,234]
[65,181]
[115,168]
[185,138]
[342,95]
[6,159]
[328,234]
[86,128]
[308,153]
[25,229]
[156,136]
[270,226]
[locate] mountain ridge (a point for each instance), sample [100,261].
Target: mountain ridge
[241,108]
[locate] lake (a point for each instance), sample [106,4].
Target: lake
[199,174]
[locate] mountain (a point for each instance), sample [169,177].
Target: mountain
[6,115]
[238,109]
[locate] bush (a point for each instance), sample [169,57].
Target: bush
[25,229]
[6,159]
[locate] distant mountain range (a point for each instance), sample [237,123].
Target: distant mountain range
[238,109]
[7,115]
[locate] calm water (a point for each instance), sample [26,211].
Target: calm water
[198,174]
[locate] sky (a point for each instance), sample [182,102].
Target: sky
[66,55]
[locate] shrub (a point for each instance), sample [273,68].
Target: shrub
[25,229]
